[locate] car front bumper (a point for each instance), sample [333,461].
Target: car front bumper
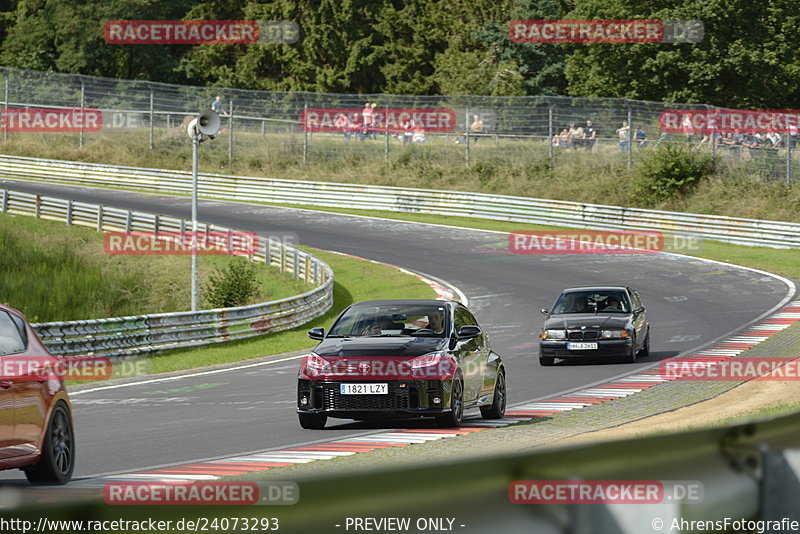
[607,348]
[405,398]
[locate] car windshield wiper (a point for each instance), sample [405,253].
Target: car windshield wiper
[386,335]
[338,335]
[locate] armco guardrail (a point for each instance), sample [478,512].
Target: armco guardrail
[138,334]
[464,204]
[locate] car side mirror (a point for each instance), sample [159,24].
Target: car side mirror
[544,311]
[316,333]
[468,332]
[640,309]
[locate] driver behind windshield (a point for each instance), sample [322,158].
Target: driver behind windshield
[435,322]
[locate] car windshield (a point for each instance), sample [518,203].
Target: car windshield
[391,320]
[592,302]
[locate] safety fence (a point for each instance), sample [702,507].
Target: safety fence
[301,127]
[138,334]
[478,205]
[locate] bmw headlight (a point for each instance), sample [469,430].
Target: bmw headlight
[614,334]
[554,334]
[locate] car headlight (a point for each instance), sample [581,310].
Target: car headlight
[614,334]
[554,334]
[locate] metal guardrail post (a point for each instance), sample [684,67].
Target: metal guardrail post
[5,200]
[156,223]
[305,135]
[550,136]
[630,135]
[83,101]
[152,120]
[466,135]
[295,264]
[100,218]
[129,221]
[230,133]
[69,212]
[37,206]
[268,253]
[5,106]
[283,258]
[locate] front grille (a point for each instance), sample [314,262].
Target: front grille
[580,335]
[396,399]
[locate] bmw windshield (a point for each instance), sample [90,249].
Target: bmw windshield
[611,301]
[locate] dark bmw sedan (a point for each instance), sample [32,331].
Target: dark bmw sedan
[607,321]
[401,358]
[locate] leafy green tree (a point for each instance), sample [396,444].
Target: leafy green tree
[747,58]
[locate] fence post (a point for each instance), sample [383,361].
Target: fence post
[230,133]
[788,158]
[263,129]
[305,135]
[152,118]
[295,265]
[5,106]
[550,136]
[466,135]
[69,212]
[5,200]
[37,206]
[268,253]
[83,101]
[630,134]
[386,127]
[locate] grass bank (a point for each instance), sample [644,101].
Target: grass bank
[52,272]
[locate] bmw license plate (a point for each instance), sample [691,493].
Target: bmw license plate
[364,389]
[581,346]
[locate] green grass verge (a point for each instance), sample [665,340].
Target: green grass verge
[355,280]
[52,272]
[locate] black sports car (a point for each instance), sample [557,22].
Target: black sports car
[401,358]
[606,321]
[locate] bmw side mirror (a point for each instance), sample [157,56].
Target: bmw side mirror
[640,309]
[544,311]
[316,333]
[468,332]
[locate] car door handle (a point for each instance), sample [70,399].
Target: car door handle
[5,384]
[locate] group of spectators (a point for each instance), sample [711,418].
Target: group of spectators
[366,129]
[576,136]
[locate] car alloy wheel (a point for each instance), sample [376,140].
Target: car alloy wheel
[58,451]
[498,407]
[456,414]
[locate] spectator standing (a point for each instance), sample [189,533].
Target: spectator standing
[624,139]
[641,138]
[577,134]
[343,123]
[216,105]
[476,128]
[366,120]
[589,135]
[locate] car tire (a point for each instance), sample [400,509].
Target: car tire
[631,357]
[312,421]
[456,414]
[498,407]
[58,450]
[645,352]
[546,361]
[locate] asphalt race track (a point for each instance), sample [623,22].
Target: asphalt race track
[201,416]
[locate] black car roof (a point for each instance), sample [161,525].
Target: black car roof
[596,288]
[405,302]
